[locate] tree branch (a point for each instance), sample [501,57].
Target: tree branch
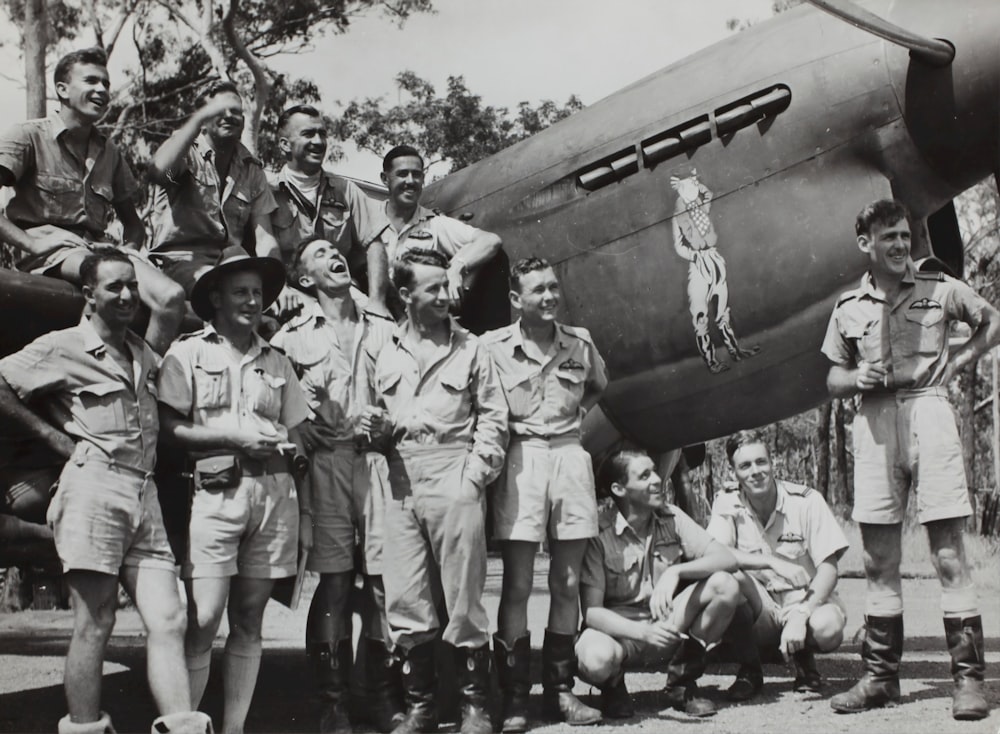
[116,30]
[261,79]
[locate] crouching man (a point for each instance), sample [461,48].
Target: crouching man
[97,382]
[655,588]
[788,541]
[445,410]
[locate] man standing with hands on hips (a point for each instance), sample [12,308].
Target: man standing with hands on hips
[888,342]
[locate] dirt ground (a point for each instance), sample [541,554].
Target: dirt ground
[32,645]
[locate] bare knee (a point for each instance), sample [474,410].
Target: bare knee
[517,588]
[246,618]
[599,658]
[95,626]
[826,626]
[169,620]
[724,589]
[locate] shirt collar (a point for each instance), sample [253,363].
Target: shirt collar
[517,336]
[399,333]
[867,286]
[257,345]
[57,127]
[204,148]
[312,311]
[419,215]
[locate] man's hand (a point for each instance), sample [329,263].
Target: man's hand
[288,300]
[305,533]
[870,376]
[373,421]
[456,281]
[255,445]
[316,435]
[793,636]
[660,634]
[215,106]
[793,573]
[62,444]
[663,594]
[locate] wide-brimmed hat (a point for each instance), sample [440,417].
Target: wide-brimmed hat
[235,258]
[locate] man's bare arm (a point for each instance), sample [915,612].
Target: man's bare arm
[12,407]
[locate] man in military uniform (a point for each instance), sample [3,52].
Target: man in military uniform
[788,542]
[655,588]
[404,224]
[211,192]
[67,179]
[234,403]
[551,374]
[96,383]
[333,345]
[447,417]
[888,342]
[313,202]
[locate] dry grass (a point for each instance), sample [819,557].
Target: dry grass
[983,554]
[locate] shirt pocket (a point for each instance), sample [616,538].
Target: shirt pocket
[100,204]
[335,215]
[621,581]
[237,210]
[520,392]
[867,340]
[64,193]
[212,388]
[925,330]
[265,394]
[103,407]
[568,386]
[451,403]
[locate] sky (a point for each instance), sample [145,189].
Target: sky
[507,50]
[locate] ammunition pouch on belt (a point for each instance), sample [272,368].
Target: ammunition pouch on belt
[215,473]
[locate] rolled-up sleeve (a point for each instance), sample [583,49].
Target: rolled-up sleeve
[15,151]
[489,438]
[174,382]
[34,370]
[835,346]
[592,571]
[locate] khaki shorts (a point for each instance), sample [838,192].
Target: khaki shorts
[251,530]
[547,488]
[105,516]
[64,243]
[770,623]
[640,654]
[908,439]
[349,491]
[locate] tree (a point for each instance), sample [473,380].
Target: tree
[456,129]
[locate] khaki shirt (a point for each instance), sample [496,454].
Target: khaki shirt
[626,567]
[457,399]
[211,384]
[335,383]
[196,209]
[802,529]
[53,186]
[545,391]
[426,230]
[341,210]
[910,336]
[87,394]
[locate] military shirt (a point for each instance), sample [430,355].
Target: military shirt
[88,395]
[544,391]
[336,384]
[53,186]
[340,208]
[425,230]
[204,379]
[908,337]
[197,209]
[802,529]
[457,398]
[626,567]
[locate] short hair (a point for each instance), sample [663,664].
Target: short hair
[296,269]
[299,109]
[524,266]
[402,269]
[881,213]
[745,438]
[400,151]
[94,55]
[91,263]
[214,89]
[614,469]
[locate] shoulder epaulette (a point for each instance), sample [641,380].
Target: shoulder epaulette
[607,511]
[579,332]
[845,297]
[497,335]
[793,488]
[930,276]
[279,350]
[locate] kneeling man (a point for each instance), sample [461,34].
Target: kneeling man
[787,539]
[654,587]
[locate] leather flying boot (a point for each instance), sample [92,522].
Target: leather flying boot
[968,667]
[332,662]
[683,672]
[513,669]
[419,682]
[616,702]
[807,677]
[385,686]
[185,722]
[880,653]
[558,669]
[472,667]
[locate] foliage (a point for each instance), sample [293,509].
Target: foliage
[456,128]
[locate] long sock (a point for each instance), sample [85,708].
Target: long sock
[240,665]
[198,667]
